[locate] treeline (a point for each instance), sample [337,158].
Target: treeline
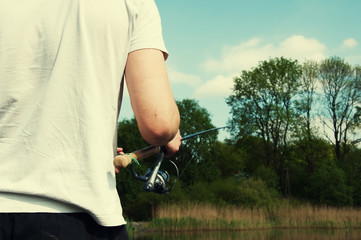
[276,148]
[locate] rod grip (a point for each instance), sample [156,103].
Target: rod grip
[122,161]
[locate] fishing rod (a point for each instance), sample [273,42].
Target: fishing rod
[156,179]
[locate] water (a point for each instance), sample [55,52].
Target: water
[280,234]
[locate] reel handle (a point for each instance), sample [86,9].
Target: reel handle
[151,178]
[149,185]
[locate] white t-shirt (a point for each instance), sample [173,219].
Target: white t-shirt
[61,68]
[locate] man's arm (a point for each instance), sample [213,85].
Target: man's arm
[152,99]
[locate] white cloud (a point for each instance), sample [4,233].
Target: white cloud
[219,86]
[248,54]
[179,77]
[301,48]
[349,43]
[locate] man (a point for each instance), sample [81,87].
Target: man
[61,68]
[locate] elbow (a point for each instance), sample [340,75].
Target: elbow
[159,131]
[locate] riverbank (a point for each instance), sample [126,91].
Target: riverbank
[205,217]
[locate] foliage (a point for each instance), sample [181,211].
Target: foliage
[342,96]
[194,151]
[246,193]
[267,175]
[202,192]
[310,153]
[263,104]
[253,153]
[307,94]
[329,186]
[262,99]
[225,158]
[301,166]
[352,168]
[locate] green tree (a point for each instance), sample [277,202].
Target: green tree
[250,192]
[194,151]
[253,153]
[352,169]
[309,78]
[342,95]
[299,169]
[329,186]
[263,104]
[226,158]
[303,130]
[267,175]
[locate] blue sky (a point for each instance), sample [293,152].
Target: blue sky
[212,41]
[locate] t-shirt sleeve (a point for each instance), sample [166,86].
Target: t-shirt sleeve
[147,29]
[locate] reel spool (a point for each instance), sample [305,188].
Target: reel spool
[156,180]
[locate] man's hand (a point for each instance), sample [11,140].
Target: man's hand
[120,150]
[171,148]
[124,163]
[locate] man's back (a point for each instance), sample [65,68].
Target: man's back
[61,68]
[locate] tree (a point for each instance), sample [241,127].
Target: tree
[252,150]
[352,168]
[226,158]
[305,105]
[329,186]
[342,95]
[300,170]
[194,151]
[263,104]
[308,87]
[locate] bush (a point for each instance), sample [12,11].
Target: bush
[201,192]
[267,175]
[329,186]
[247,193]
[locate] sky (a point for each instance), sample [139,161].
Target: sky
[212,41]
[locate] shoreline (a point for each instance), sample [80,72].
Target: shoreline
[205,217]
[146,227]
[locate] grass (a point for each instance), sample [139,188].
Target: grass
[193,216]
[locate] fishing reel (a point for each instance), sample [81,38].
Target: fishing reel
[156,180]
[160,182]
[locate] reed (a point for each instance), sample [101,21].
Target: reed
[198,216]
